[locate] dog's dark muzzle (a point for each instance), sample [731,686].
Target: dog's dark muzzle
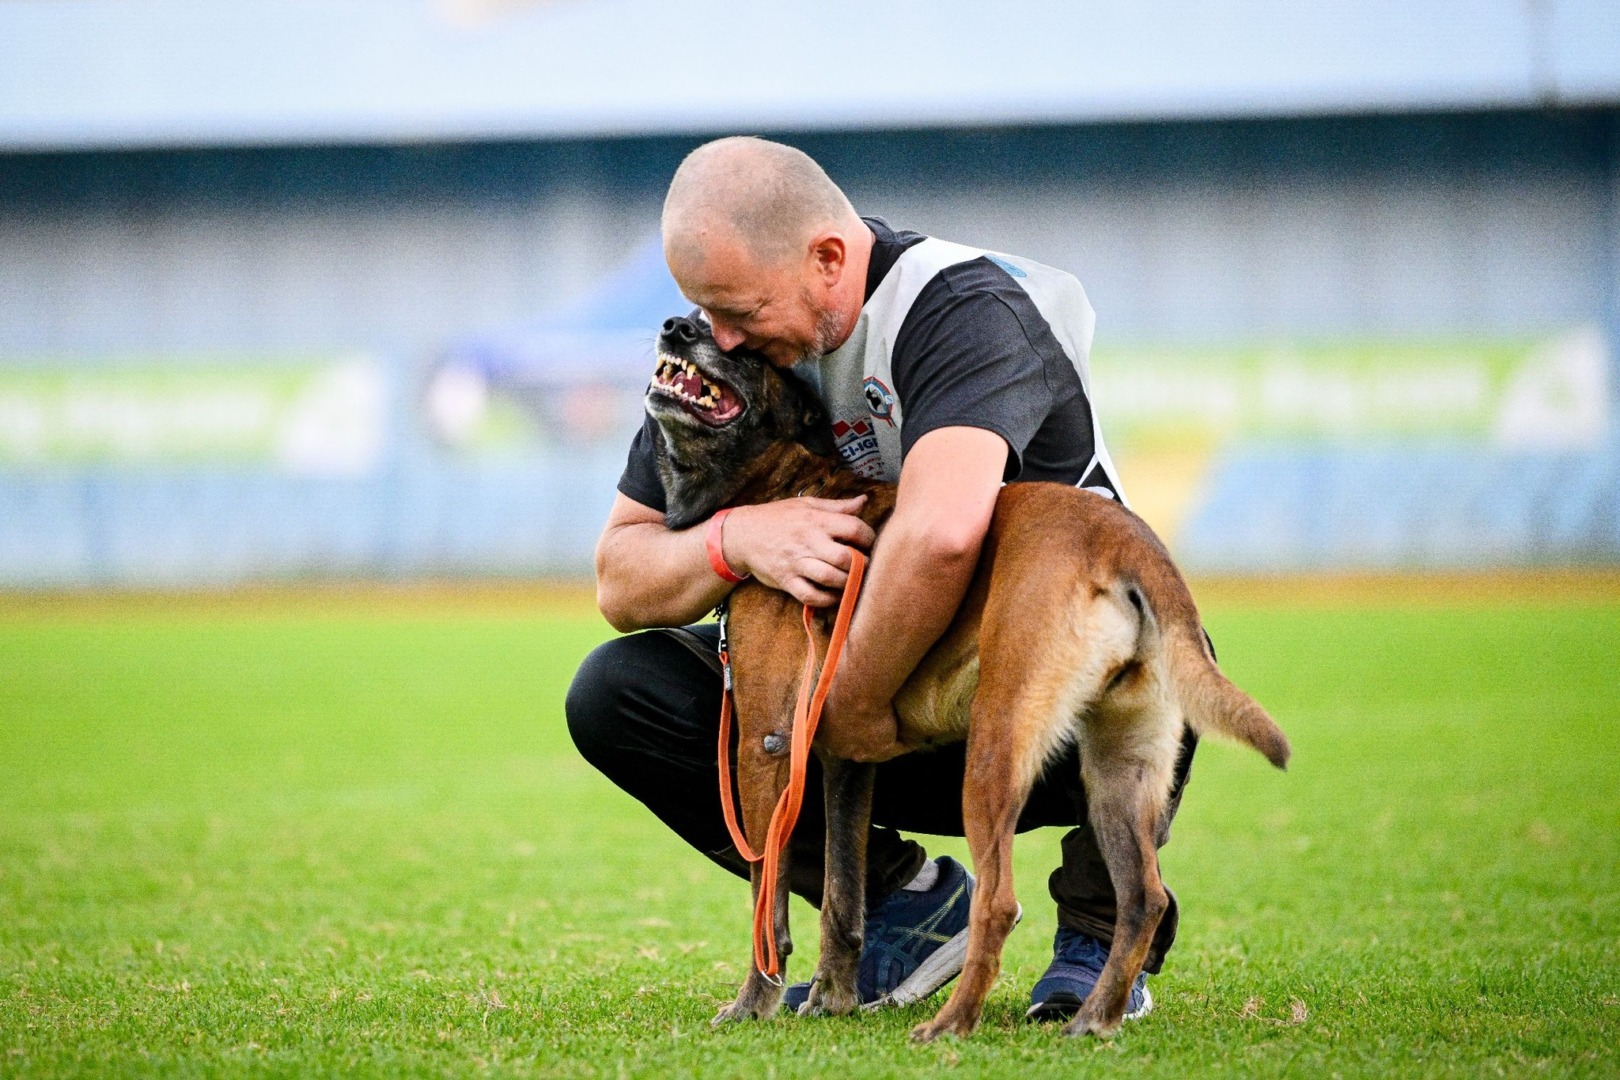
[681,382]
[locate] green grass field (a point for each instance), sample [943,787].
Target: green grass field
[332,839]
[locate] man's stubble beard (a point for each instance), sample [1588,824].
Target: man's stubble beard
[828,334]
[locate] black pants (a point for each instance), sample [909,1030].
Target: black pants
[645,710]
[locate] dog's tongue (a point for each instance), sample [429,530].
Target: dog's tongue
[726,403]
[710,399]
[691,385]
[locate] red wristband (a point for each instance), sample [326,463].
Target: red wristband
[717,555]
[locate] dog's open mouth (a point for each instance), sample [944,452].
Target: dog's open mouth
[704,396]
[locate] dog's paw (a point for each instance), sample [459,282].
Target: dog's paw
[731,1013]
[825,1000]
[742,1009]
[1088,1022]
[946,1023]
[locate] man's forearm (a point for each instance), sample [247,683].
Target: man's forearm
[917,584]
[922,565]
[647,575]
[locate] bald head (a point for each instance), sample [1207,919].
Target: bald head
[771,251]
[768,197]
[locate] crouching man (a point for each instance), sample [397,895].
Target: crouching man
[945,368]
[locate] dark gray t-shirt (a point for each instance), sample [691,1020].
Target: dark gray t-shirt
[973,351]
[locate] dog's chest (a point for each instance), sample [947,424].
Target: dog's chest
[935,703]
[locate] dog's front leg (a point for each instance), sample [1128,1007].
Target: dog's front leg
[848,787]
[760,997]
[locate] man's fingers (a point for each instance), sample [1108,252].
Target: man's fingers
[825,574]
[806,593]
[850,530]
[835,554]
[837,506]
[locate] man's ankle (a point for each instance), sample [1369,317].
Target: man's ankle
[926,878]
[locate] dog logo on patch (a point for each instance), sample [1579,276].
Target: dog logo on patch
[879,399]
[858,446]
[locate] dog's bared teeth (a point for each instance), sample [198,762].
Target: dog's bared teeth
[670,368]
[706,401]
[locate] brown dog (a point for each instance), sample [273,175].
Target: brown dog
[1076,626]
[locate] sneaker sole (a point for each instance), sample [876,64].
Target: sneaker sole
[1063,1010]
[943,964]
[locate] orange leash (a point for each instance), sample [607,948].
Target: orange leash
[806,716]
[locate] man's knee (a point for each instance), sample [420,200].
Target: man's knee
[595,702]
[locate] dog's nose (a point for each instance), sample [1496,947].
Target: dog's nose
[680,331]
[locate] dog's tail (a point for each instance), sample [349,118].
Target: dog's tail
[1209,700]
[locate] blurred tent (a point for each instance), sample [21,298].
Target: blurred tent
[571,377]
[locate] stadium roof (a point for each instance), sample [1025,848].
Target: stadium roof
[91,74]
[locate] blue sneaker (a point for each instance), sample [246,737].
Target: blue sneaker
[915,943]
[1077,962]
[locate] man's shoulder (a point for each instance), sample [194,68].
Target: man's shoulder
[970,287]
[984,304]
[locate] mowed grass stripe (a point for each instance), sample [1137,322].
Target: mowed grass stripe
[359,840]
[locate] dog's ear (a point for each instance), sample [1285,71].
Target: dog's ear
[815,425]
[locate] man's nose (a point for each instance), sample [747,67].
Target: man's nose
[679,331]
[726,337]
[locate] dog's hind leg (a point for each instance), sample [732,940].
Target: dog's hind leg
[1006,745]
[848,786]
[1125,800]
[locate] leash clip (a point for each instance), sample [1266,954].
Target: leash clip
[722,611]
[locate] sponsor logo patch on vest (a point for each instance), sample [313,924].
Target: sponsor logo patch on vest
[858,446]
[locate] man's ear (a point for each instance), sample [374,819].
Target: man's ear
[828,257]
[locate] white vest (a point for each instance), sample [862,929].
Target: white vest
[856,379]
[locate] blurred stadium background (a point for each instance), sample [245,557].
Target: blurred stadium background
[367,288]
[355,291]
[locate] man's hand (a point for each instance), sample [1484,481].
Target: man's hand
[800,546]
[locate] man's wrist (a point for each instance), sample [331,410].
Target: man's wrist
[714,545]
[734,546]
